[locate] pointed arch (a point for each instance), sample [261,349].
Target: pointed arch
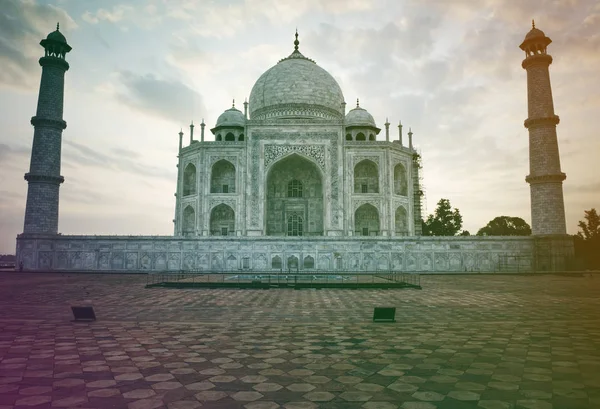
[348,137]
[222,220]
[218,137]
[241,137]
[292,262]
[366,220]
[189,221]
[366,177]
[309,262]
[276,262]
[295,225]
[400,181]
[189,180]
[401,222]
[222,177]
[230,137]
[289,179]
[361,137]
[371,137]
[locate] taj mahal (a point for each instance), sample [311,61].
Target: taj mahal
[295,163]
[296,179]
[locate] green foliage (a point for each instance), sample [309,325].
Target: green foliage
[591,226]
[506,226]
[417,160]
[465,233]
[444,222]
[587,241]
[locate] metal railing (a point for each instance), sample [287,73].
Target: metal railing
[283,278]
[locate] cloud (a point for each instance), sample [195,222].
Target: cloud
[23,24]
[114,15]
[169,99]
[86,156]
[146,17]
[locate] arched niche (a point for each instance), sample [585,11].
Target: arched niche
[366,177]
[222,177]
[348,137]
[361,137]
[189,221]
[229,137]
[366,220]
[222,220]
[309,262]
[276,262]
[189,180]
[400,180]
[401,222]
[302,178]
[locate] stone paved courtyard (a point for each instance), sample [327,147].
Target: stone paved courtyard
[477,341]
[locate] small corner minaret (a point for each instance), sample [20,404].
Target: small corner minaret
[180,139]
[43,178]
[545,177]
[191,132]
[410,142]
[400,132]
[202,125]
[387,130]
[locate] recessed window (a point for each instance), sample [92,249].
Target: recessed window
[295,225]
[295,188]
[364,188]
[365,231]
[225,188]
[224,231]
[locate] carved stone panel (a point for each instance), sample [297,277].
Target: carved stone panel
[275,151]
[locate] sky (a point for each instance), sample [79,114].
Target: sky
[141,70]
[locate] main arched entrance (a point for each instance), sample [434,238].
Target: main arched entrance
[294,193]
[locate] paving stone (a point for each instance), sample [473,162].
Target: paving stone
[289,346]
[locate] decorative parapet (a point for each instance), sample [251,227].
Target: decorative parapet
[538,122]
[54,180]
[555,178]
[48,123]
[295,110]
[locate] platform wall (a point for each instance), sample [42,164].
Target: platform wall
[167,253]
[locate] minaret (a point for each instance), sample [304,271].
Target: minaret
[387,130]
[545,177]
[400,132]
[43,178]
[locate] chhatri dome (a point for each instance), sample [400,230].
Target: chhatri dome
[360,117]
[231,117]
[296,87]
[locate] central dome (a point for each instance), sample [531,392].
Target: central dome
[296,87]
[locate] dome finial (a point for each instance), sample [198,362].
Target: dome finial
[296,42]
[233,103]
[357,104]
[532,23]
[57,25]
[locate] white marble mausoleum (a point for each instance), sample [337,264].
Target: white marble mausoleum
[295,180]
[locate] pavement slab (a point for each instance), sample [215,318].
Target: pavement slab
[462,341]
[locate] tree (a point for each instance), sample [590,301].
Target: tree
[506,226]
[591,226]
[444,222]
[587,241]
[465,233]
